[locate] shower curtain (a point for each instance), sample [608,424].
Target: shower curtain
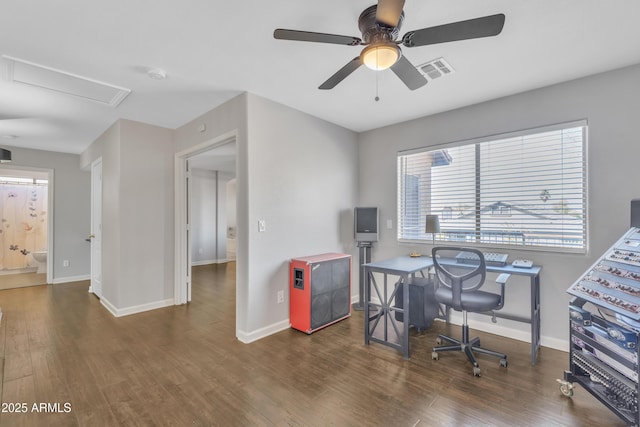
[23,223]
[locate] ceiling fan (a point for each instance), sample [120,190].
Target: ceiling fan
[380,25]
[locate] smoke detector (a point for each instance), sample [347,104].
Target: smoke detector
[435,69]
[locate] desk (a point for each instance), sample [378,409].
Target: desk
[405,267]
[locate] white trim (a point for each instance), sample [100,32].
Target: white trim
[249,337]
[506,332]
[498,136]
[211,261]
[555,343]
[180,259]
[50,253]
[70,279]
[120,312]
[96,204]
[110,307]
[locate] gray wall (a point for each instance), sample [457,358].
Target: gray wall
[303,183]
[297,173]
[71,210]
[611,104]
[137,265]
[146,214]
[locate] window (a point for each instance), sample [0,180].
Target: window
[522,189]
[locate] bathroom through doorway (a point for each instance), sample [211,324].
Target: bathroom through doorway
[25,225]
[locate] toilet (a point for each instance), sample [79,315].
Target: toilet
[41,258]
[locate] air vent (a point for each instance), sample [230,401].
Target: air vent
[20,71]
[435,69]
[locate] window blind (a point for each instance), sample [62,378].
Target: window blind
[525,189]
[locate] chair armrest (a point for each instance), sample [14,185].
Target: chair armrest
[502,279]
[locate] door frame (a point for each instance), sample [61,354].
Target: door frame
[95,202]
[182,258]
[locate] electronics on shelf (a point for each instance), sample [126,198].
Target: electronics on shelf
[604,330]
[614,280]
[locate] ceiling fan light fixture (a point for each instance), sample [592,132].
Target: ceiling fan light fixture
[380,56]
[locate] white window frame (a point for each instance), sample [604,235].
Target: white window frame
[444,238]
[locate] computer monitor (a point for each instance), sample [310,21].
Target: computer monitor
[366,224]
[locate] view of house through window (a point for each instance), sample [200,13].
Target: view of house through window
[524,189]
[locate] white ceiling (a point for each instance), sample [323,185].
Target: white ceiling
[214,50]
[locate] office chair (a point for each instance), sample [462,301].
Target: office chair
[458,287]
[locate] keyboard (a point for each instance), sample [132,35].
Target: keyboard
[490,258]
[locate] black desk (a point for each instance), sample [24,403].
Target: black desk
[405,267]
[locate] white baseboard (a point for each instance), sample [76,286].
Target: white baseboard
[70,279]
[525,336]
[555,343]
[497,329]
[249,337]
[110,307]
[119,312]
[209,262]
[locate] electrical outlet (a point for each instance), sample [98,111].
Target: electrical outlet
[65,263]
[280,297]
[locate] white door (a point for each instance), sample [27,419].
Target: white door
[96,228]
[188,230]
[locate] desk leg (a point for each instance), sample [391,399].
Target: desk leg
[405,315]
[535,318]
[367,292]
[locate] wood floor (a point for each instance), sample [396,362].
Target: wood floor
[21,280]
[182,366]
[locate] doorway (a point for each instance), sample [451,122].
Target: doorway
[205,209]
[26,211]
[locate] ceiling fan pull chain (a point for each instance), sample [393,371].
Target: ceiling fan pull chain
[377,98]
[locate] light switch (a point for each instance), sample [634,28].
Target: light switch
[389,224]
[262,225]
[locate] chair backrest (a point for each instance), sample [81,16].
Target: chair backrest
[469,275]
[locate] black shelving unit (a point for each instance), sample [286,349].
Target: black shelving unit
[604,324]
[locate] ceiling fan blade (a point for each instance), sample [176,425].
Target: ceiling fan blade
[341,74]
[307,36]
[486,26]
[388,12]
[411,77]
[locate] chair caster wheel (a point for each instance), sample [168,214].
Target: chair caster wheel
[503,363]
[566,388]
[435,355]
[476,371]
[438,341]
